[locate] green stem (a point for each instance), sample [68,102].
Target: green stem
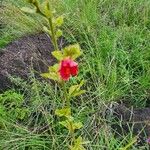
[36,4]
[72,134]
[67,103]
[53,36]
[67,99]
[52,28]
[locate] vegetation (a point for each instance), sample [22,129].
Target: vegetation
[115,38]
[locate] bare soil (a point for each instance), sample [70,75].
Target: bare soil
[31,52]
[130,119]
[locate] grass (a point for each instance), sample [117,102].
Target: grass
[115,38]
[118,49]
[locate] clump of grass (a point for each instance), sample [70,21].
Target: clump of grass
[16,24]
[40,130]
[116,47]
[115,39]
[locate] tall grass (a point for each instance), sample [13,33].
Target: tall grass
[115,38]
[15,23]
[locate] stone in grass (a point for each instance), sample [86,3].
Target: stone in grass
[31,52]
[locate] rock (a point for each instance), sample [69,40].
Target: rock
[19,57]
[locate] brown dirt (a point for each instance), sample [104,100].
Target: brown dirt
[132,119]
[30,52]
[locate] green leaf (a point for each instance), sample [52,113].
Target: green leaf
[54,68]
[66,124]
[79,93]
[75,90]
[72,51]
[63,112]
[51,75]
[59,21]
[59,33]
[58,55]
[70,125]
[45,9]
[77,125]
[78,144]
[28,10]
[46,30]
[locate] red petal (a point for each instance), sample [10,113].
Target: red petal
[74,70]
[65,63]
[65,73]
[64,70]
[73,63]
[67,68]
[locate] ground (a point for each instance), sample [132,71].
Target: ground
[115,39]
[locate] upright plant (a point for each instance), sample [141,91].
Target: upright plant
[62,71]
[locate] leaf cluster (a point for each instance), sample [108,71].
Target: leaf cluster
[72,51]
[11,106]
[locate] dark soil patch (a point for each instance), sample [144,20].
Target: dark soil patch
[136,120]
[31,52]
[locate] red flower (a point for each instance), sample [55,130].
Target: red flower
[68,68]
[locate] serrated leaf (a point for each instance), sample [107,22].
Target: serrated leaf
[54,68]
[70,125]
[72,51]
[75,90]
[63,112]
[59,21]
[44,7]
[78,144]
[51,75]
[58,55]
[59,33]
[28,10]
[77,125]
[77,87]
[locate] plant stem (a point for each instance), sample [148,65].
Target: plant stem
[72,135]
[67,99]
[52,28]
[53,36]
